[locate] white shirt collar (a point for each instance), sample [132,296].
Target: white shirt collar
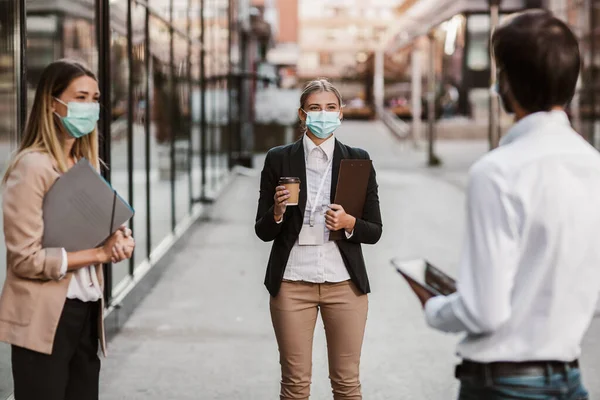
[327,146]
[532,122]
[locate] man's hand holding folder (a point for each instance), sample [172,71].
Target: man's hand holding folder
[425,280]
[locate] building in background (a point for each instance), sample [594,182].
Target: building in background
[439,53]
[165,69]
[285,54]
[458,31]
[583,16]
[336,39]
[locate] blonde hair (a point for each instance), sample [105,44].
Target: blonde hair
[318,86]
[42,133]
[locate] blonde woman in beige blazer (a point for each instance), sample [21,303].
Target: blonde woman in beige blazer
[51,303]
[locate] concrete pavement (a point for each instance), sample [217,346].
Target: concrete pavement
[205,332]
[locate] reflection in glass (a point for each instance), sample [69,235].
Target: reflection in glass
[140,103]
[478,55]
[181,126]
[196,128]
[160,132]
[50,38]
[119,81]
[8,134]
[227,55]
[43,46]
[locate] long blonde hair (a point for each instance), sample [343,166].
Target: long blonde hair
[42,132]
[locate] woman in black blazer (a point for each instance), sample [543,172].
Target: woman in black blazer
[306,271]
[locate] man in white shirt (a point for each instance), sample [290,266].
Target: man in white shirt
[530,271]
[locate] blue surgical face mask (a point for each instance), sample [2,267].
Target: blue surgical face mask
[496,89]
[81,118]
[322,123]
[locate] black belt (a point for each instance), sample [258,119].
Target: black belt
[488,371]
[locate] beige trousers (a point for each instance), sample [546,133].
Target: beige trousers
[294,315]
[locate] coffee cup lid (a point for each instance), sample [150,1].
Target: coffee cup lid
[289,179]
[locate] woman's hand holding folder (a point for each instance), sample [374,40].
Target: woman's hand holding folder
[336,219]
[123,250]
[117,248]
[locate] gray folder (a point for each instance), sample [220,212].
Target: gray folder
[81,210]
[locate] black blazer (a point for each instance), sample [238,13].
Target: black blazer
[289,161]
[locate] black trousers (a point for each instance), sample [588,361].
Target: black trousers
[72,371]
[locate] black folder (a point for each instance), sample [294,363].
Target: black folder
[351,189]
[81,210]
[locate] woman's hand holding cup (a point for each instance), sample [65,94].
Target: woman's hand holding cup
[282,195]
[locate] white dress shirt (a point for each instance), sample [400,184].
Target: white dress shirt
[84,284]
[324,263]
[529,277]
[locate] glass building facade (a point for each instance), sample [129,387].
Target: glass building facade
[164,68]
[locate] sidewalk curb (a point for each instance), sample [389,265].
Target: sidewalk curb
[149,272]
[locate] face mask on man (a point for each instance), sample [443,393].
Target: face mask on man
[322,123]
[504,102]
[81,118]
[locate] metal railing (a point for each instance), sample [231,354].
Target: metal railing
[399,128]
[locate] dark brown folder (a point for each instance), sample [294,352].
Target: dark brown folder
[351,190]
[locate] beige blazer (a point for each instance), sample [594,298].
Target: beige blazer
[33,295]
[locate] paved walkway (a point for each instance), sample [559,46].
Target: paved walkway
[205,332]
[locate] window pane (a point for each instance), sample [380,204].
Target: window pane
[226,55]
[478,55]
[196,128]
[43,47]
[140,103]
[160,132]
[181,127]
[50,38]
[8,134]
[119,70]
[212,71]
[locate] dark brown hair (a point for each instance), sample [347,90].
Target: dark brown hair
[538,58]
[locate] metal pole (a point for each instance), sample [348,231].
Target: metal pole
[417,93]
[494,103]
[432,159]
[203,129]
[172,114]
[130,116]
[147,124]
[104,74]
[593,74]
[190,116]
[230,24]
[379,81]
[21,55]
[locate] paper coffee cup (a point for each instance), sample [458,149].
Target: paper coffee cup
[292,185]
